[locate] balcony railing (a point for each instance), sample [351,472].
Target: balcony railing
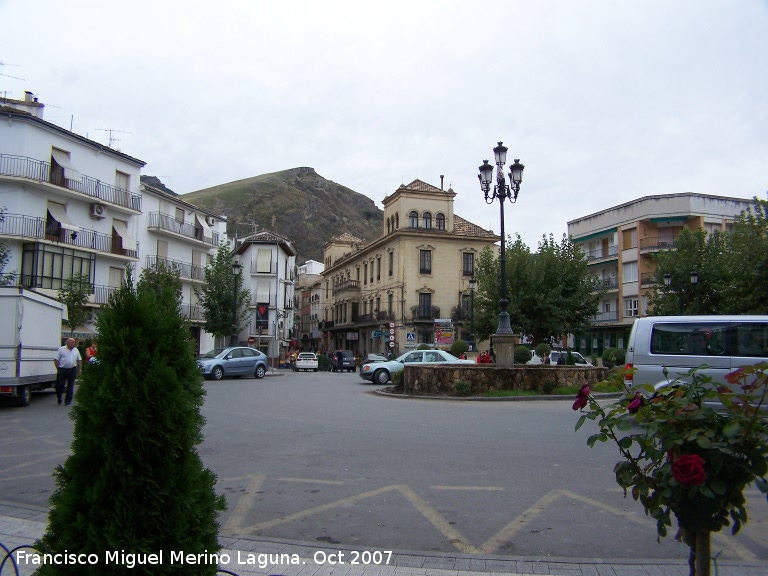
[346,286]
[161,221]
[647,279]
[610,283]
[35,229]
[605,317]
[425,313]
[192,312]
[600,254]
[186,269]
[654,244]
[23,167]
[101,293]
[374,318]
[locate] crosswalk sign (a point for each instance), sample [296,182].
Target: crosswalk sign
[410,336]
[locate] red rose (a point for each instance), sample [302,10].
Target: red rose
[634,406]
[582,397]
[688,469]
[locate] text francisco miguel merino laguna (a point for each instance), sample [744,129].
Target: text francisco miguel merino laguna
[131,559]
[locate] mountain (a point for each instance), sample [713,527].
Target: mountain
[154,181]
[297,204]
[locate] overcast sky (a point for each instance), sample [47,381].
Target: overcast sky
[603,101]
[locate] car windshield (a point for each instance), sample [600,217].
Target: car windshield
[215,353]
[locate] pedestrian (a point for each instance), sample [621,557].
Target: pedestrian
[68,364]
[463,356]
[91,351]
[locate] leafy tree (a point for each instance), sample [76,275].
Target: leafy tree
[74,295]
[216,296]
[551,292]
[459,347]
[134,480]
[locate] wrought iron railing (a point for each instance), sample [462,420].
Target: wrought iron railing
[654,244]
[186,269]
[23,167]
[605,317]
[169,223]
[601,254]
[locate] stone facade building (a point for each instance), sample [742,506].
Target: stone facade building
[408,287]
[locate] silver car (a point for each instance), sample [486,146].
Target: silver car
[381,372]
[233,361]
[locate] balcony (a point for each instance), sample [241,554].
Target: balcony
[600,255]
[425,314]
[168,223]
[192,312]
[610,283]
[28,227]
[31,169]
[186,270]
[654,244]
[102,293]
[605,318]
[374,318]
[346,286]
[647,279]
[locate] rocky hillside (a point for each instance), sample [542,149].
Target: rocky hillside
[298,204]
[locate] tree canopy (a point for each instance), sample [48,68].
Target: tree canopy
[550,292]
[74,295]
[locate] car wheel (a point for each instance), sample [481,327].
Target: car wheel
[260,371]
[217,373]
[25,395]
[381,377]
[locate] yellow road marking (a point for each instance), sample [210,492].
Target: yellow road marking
[244,505]
[505,534]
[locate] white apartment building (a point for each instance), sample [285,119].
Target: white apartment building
[619,244]
[73,205]
[269,264]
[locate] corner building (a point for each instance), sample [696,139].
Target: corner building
[619,244]
[408,287]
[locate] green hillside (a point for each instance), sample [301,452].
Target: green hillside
[298,204]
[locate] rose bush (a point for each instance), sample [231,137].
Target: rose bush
[698,448]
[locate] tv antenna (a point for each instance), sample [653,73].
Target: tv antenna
[111,132]
[8,75]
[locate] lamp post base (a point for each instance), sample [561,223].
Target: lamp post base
[504,345]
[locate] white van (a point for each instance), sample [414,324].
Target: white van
[680,343]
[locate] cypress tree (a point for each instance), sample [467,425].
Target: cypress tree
[135,482]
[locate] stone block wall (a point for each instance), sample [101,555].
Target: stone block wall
[437,380]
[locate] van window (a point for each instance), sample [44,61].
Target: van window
[750,339]
[689,339]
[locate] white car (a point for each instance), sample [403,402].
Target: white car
[381,372]
[306,361]
[555,354]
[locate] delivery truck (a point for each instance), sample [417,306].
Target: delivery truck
[30,334]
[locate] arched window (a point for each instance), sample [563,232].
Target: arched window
[427,220]
[413,219]
[388,223]
[440,221]
[397,221]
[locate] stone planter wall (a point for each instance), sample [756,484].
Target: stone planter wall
[436,380]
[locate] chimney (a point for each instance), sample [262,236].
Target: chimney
[441,181]
[28,96]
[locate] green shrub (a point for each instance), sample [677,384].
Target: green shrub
[463,388]
[459,347]
[523,354]
[397,378]
[614,356]
[543,349]
[548,387]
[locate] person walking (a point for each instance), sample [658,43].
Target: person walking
[91,351]
[68,364]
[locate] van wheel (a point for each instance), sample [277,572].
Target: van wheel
[25,395]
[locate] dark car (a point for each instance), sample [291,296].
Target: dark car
[343,360]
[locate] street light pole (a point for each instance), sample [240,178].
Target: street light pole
[235,274]
[668,283]
[472,286]
[503,192]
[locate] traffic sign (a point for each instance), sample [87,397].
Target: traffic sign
[410,336]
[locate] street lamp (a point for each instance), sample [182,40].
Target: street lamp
[502,191]
[472,286]
[668,283]
[235,272]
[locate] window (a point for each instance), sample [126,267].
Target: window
[262,292]
[391,263]
[357,271]
[629,238]
[468,263]
[689,339]
[388,224]
[179,214]
[413,219]
[378,267]
[365,273]
[378,304]
[264,260]
[371,271]
[629,272]
[390,302]
[630,307]
[397,221]
[440,221]
[46,266]
[425,261]
[122,180]
[427,220]
[425,305]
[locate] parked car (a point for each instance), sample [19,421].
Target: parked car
[233,361]
[343,360]
[374,358]
[555,355]
[305,361]
[381,372]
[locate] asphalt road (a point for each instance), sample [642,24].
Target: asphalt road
[317,457]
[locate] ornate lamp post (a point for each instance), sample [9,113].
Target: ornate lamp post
[668,283]
[472,286]
[235,273]
[503,192]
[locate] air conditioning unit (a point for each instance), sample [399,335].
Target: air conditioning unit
[98,211]
[210,220]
